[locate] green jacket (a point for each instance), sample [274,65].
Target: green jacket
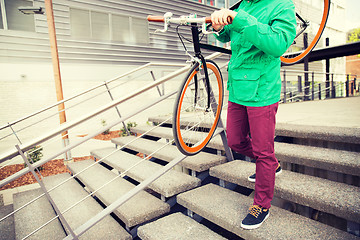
[260,33]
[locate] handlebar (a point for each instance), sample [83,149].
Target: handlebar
[182,20]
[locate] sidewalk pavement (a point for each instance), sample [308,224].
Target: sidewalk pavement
[339,112]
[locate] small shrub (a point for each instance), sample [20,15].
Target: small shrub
[35,155]
[103,122]
[129,125]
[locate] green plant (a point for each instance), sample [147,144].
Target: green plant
[129,125]
[35,155]
[103,122]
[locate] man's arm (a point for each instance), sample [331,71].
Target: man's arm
[273,39]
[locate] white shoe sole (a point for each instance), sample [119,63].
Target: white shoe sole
[249,227]
[253,180]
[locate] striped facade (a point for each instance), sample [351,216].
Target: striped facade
[92,42]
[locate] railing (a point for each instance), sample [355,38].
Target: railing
[21,149]
[319,85]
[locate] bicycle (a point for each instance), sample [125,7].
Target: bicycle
[199,101]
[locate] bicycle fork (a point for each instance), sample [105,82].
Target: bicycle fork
[198,55]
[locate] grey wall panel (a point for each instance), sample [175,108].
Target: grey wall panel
[160,48]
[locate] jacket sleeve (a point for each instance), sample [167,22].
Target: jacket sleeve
[224,35]
[273,38]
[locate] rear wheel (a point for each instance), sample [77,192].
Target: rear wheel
[194,122]
[311,19]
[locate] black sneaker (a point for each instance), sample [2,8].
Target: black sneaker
[277,172]
[256,216]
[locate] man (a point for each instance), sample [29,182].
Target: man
[260,31]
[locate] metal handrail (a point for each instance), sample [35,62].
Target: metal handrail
[89,90]
[309,71]
[66,126]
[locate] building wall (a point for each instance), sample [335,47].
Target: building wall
[30,50]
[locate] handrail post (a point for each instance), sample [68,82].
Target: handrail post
[284,86]
[333,89]
[347,85]
[117,109]
[157,87]
[355,84]
[312,86]
[306,69]
[42,185]
[9,125]
[327,66]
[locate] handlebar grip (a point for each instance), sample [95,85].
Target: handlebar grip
[151,18]
[208,20]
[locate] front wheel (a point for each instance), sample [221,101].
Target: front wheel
[311,20]
[194,121]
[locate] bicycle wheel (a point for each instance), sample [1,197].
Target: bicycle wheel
[194,123]
[311,19]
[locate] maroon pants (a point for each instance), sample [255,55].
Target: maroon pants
[260,123]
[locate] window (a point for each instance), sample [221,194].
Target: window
[100,26]
[211,2]
[221,3]
[120,28]
[86,24]
[80,23]
[139,30]
[13,19]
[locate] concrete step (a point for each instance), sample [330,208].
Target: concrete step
[139,209]
[176,226]
[166,133]
[7,226]
[227,209]
[35,215]
[324,158]
[70,193]
[200,162]
[339,199]
[168,185]
[324,133]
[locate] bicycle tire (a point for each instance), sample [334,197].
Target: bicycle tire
[289,58]
[193,124]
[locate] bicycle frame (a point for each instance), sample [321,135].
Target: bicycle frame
[198,55]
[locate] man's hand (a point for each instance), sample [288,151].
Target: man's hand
[222,17]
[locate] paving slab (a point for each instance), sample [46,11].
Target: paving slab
[168,185]
[139,209]
[227,209]
[199,162]
[338,112]
[176,226]
[69,193]
[324,195]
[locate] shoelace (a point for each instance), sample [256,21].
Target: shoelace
[255,210]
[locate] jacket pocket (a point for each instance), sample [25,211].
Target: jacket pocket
[245,84]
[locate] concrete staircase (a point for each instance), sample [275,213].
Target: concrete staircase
[316,196]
